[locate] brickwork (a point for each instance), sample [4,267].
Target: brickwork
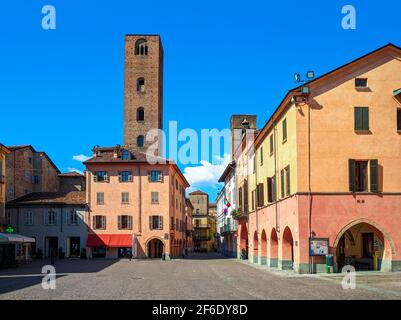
[149,96]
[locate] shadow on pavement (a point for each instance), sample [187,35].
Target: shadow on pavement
[31,274]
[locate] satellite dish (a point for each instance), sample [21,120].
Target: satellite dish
[297,77]
[310,75]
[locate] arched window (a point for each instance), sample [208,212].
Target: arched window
[140,85]
[141,48]
[140,114]
[140,141]
[126,155]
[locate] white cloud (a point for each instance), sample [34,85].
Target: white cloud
[74,170]
[207,174]
[80,158]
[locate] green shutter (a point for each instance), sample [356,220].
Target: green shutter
[282,183]
[274,188]
[288,181]
[351,175]
[365,118]
[358,118]
[374,176]
[361,118]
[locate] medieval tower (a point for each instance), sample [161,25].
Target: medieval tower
[143,90]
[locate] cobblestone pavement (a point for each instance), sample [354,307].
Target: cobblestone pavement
[201,277]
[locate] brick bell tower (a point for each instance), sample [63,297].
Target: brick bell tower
[143,90]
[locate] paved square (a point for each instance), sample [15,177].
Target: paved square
[201,277]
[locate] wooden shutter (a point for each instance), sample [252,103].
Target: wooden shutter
[130,222]
[357,119]
[269,190]
[274,188]
[261,198]
[282,183]
[119,222]
[94,222]
[288,181]
[352,185]
[150,223]
[160,176]
[104,222]
[374,176]
[95,176]
[365,118]
[149,176]
[161,222]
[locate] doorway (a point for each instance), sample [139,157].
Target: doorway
[51,244]
[75,247]
[155,248]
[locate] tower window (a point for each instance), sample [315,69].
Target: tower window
[140,114]
[141,85]
[140,141]
[141,48]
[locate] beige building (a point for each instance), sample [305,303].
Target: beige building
[204,222]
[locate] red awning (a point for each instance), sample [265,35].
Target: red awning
[120,241]
[109,240]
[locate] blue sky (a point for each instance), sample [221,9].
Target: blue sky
[62,90]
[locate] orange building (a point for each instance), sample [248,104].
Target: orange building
[324,172]
[134,205]
[136,198]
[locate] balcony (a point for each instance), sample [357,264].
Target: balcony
[228,228]
[203,226]
[201,238]
[239,213]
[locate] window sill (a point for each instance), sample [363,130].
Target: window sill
[399,131]
[363,89]
[363,132]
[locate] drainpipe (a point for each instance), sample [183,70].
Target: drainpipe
[275,174]
[311,259]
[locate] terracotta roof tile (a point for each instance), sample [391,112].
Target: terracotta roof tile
[42,198]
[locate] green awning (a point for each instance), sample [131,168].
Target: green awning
[396,92]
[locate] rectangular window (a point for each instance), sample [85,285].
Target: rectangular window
[125,222]
[99,222]
[51,218]
[358,175]
[125,176]
[100,176]
[271,189]
[155,197]
[361,118]
[253,193]
[284,130]
[282,184]
[271,144]
[100,198]
[261,196]
[155,176]
[361,83]
[156,222]
[28,218]
[399,120]
[125,197]
[261,156]
[72,218]
[287,181]
[35,179]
